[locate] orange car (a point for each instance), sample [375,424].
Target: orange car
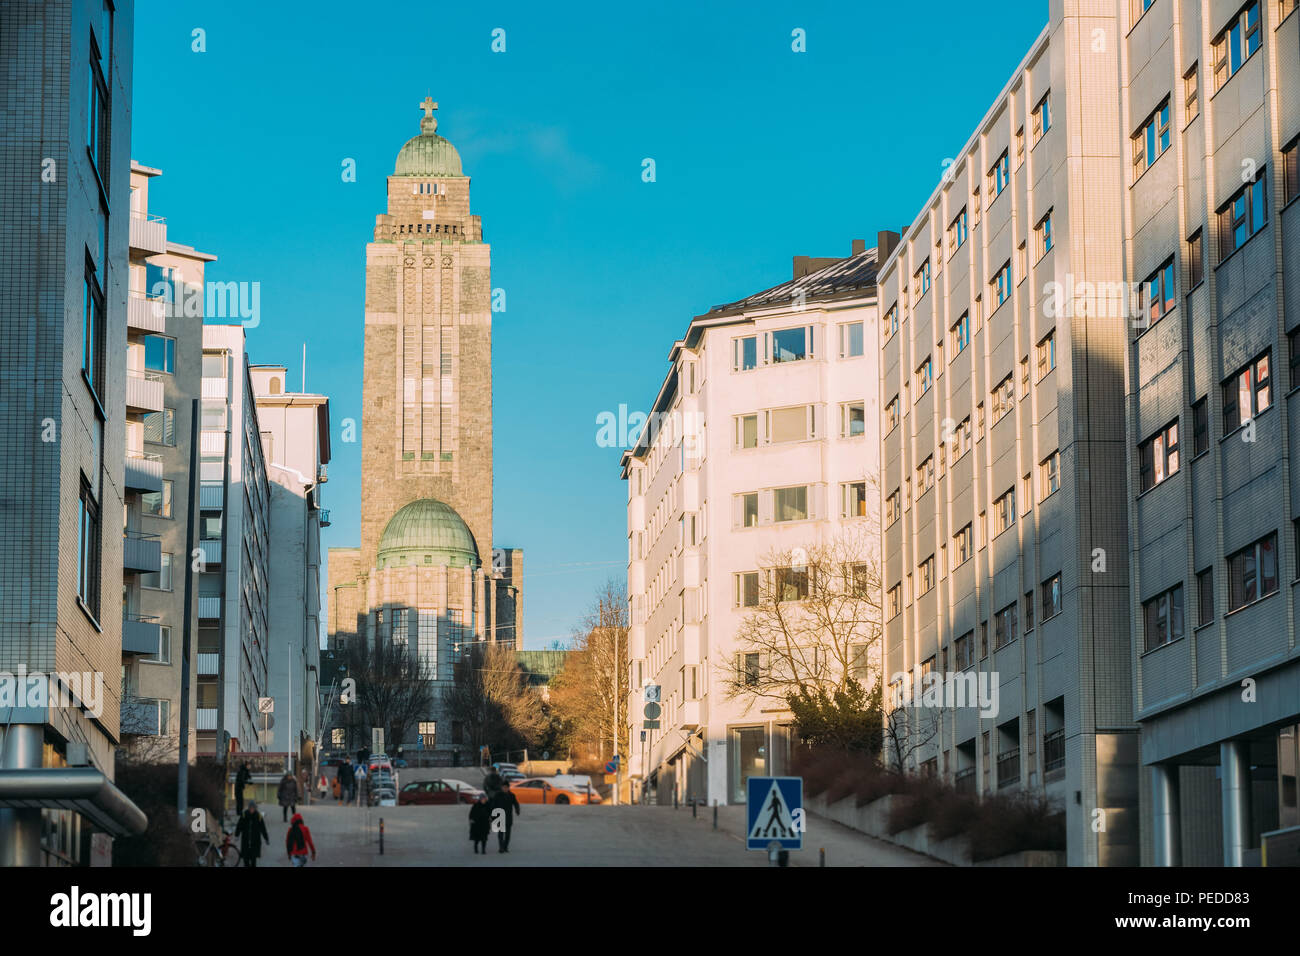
[541,790]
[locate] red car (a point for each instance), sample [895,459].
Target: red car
[428,792]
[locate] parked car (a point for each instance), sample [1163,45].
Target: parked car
[503,768]
[542,790]
[512,775]
[575,781]
[431,792]
[462,787]
[400,764]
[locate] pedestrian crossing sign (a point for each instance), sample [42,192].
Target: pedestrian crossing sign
[774,813]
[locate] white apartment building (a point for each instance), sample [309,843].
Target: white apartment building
[763,439]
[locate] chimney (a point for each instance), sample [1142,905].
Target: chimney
[801,267]
[886,242]
[859,247]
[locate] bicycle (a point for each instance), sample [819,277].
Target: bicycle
[224,853]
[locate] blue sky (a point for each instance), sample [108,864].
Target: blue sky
[761,154]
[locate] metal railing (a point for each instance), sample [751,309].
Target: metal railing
[964,780]
[1009,767]
[1053,750]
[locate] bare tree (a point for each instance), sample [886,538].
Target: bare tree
[393,690]
[590,694]
[907,729]
[814,621]
[493,701]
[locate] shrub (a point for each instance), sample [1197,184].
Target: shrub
[1017,822]
[152,787]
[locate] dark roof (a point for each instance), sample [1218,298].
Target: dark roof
[842,279]
[541,666]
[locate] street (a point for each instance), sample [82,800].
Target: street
[561,836]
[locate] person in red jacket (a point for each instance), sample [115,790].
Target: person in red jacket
[297,842]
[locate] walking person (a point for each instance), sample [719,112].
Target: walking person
[338,789]
[297,842]
[492,782]
[251,830]
[287,795]
[344,778]
[480,823]
[503,823]
[241,781]
[322,786]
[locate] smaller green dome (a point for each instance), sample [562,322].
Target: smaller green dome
[427,532]
[428,154]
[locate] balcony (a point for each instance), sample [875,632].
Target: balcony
[205,718]
[214,388]
[212,444]
[209,608]
[144,392]
[141,635]
[963,781]
[148,234]
[141,717]
[144,472]
[209,663]
[1053,750]
[141,552]
[146,313]
[322,474]
[211,548]
[1009,767]
[211,497]
[324,517]
[689,717]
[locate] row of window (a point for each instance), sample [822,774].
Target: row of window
[797,583]
[795,503]
[795,423]
[796,344]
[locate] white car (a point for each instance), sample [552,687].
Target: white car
[460,785]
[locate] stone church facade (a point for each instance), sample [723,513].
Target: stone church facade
[426,576]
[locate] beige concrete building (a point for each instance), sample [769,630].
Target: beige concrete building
[426,573]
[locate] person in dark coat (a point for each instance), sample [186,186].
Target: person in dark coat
[287,795]
[251,830]
[480,823]
[345,778]
[492,782]
[504,801]
[241,781]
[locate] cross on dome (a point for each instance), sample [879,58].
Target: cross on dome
[427,123]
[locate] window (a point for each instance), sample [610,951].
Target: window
[890,326]
[1042,116]
[1043,236]
[1162,618]
[747,509]
[158,504]
[925,576]
[1252,572]
[796,423]
[1020,147]
[921,280]
[1050,594]
[1000,287]
[984,643]
[893,509]
[853,499]
[747,431]
[957,232]
[89,532]
[1024,376]
[1195,260]
[160,427]
[160,353]
[1158,293]
[747,589]
[1205,596]
[894,601]
[1285,8]
[1293,349]
[792,345]
[1246,394]
[1004,398]
[925,476]
[790,504]
[1191,95]
[924,377]
[999,177]
[97,128]
[1151,139]
[1200,428]
[164,655]
[1290,172]
[979,421]
[1158,456]
[975,204]
[744,353]
[1140,7]
[960,439]
[978,313]
[850,339]
[92,343]
[1004,627]
[1022,262]
[963,651]
[891,415]
[161,579]
[1004,512]
[963,546]
[1026,493]
[1236,44]
[1046,354]
[961,334]
[853,419]
[1028,612]
[1049,475]
[1242,217]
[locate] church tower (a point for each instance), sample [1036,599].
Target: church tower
[426,576]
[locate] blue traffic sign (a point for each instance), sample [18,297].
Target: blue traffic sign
[611,766]
[774,813]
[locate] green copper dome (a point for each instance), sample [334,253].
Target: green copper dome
[427,532]
[428,154]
